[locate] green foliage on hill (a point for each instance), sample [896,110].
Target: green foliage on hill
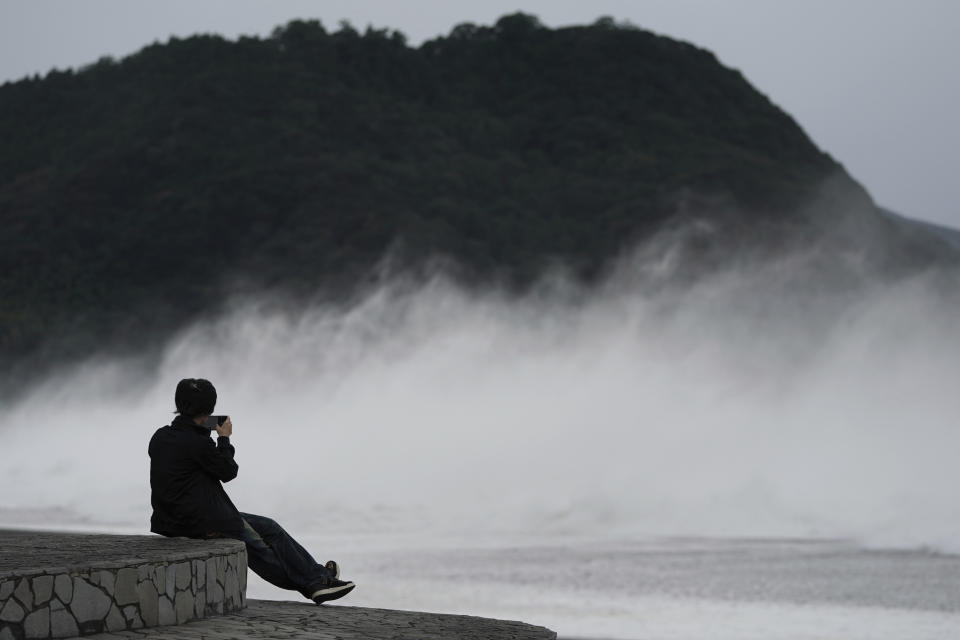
[134,193]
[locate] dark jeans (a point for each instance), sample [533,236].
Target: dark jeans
[277,558]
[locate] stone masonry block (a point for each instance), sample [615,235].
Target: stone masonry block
[133,617]
[183,606]
[43,588]
[159,578]
[144,572]
[89,603]
[231,588]
[37,624]
[107,580]
[62,624]
[11,612]
[183,575]
[126,589]
[242,574]
[211,573]
[200,603]
[24,594]
[214,593]
[166,612]
[6,634]
[64,588]
[199,572]
[137,622]
[171,581]
[115,620]
[6,588]
[221,569]
[149,604]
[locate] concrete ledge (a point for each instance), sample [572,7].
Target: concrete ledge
[269,620]
[58,585]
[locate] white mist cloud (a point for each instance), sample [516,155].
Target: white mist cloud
[751,401]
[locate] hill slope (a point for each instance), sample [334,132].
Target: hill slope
[135,193]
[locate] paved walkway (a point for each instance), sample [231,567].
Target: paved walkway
[266,620]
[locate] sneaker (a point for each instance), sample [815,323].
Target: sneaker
[333,568]
[333,590]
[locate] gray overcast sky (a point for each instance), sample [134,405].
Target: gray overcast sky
[873,82]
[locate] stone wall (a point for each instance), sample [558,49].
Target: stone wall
[183,580]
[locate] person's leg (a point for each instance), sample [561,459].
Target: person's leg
[261,558]
[279,559]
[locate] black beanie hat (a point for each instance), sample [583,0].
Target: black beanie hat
[195,397]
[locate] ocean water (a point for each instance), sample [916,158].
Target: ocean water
[639,589]
[750,454]
[676,588]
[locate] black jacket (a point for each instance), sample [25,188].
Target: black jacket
[186,470]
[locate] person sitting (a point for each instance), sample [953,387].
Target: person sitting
[186,491]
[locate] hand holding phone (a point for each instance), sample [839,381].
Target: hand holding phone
[225,428]
[212,422]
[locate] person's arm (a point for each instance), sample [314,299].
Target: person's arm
[217,460]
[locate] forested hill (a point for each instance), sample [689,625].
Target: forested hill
[134,193]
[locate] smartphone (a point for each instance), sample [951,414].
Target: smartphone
[214,421]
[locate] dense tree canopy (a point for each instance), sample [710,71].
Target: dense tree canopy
[134,192]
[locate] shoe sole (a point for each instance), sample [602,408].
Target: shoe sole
[332,593]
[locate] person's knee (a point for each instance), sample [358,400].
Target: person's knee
[272,526]
[267,527]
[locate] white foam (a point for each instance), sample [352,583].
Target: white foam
[747,403]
